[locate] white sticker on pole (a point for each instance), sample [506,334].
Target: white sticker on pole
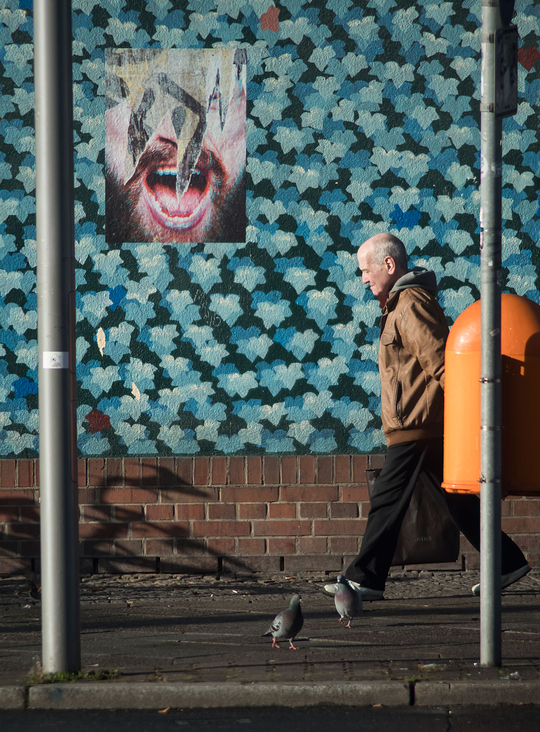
[55,359]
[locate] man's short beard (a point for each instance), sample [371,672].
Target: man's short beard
[123,222]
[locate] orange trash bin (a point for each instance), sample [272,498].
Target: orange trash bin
[520,353]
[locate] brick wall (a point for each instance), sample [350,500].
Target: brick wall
[239,514]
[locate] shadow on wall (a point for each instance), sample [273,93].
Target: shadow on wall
[155,521]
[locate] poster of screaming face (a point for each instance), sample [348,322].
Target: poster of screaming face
[175,145]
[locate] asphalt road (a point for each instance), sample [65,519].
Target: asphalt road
[463,719]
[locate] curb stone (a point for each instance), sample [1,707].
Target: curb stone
[159,695]
[12,697]
[437,693]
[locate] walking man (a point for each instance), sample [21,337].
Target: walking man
[411,369]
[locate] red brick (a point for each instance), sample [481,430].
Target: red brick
[189,547]
[221,511]
[221,546]
[13,565]
[527,507]
[10,513]
[472,560]
[281,528]
[252,510]
[313,510]
[115,473]
[343,468]
[189,511]
[306,469]
[96,471]
[354,493]
[254,470]
[159,513]
[132,471]
[522,525]
[340,545]
[289,473]
[128,547]
[271,469]
[529,543]
[96,548]
[325,469]
[201,471]
[237,471]
[125,565]
[364,509]
[282,510]
[103,531]
[188,494]
[359,467]
[184,471]
[30,549]
[82,473]
[343,510]
[282,546]
[87,496]
[19,530]
[309,493]
[249,494]
[266,564]
[8,473]
[16,497]
[159,547]
[219,470]
[189,565]
[128,495]
[8,548]
[299,563]
[149,471]
[251,546]
[220,528]
[26,473]
[166,471]
[375,461]
[339,527]
[96,513]
[312,545]
[159,529]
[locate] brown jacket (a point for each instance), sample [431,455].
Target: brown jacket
[411,360]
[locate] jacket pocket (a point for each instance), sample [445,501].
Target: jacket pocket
[398,402]
[394,389]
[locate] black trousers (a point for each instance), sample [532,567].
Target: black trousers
[391,496]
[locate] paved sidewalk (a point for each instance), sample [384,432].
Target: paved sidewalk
[184,641]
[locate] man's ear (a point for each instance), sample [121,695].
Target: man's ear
[390,265]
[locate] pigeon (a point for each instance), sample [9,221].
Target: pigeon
[348,602]
[287,624]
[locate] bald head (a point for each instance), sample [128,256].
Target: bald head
[382,260]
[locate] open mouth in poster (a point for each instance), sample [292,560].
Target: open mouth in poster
[175,145]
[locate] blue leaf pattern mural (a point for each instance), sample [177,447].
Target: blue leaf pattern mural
[361,117]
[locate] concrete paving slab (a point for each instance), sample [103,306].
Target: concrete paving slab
[478,693]
[12,697]
[207,695]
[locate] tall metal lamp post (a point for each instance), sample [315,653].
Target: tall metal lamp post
[56,337]
[499,99]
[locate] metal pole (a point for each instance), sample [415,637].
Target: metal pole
[490,391]
[56,337]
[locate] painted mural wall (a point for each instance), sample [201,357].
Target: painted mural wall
[360,117]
